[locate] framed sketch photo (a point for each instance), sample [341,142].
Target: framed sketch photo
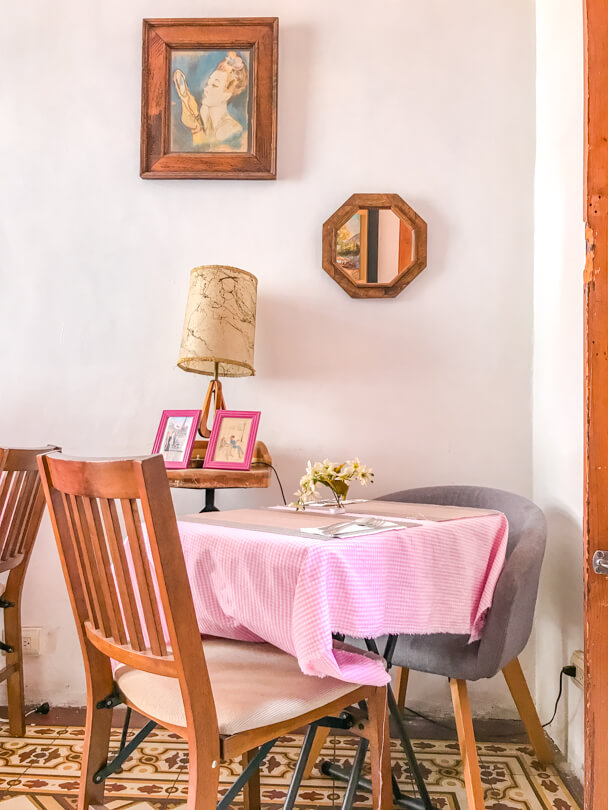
[232,440]
[209,98]
[175,437]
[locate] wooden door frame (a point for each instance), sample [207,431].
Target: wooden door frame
[595,510]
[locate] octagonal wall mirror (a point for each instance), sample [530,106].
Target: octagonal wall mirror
[374,245]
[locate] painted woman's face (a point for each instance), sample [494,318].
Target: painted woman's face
[215,90]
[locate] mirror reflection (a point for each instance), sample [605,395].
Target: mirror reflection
[374,246]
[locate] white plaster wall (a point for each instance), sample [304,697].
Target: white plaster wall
[429,99]
[558,359]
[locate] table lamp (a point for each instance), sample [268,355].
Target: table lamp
[219,330]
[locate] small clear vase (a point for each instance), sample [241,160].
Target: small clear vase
[338,507]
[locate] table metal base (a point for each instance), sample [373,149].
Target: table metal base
[344,775]
[356,781]
[353,775]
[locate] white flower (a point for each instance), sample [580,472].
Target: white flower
[353,465]
[330,474]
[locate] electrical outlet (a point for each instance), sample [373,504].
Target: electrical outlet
[30,640]
[577,659]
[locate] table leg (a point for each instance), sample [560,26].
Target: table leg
[355,775]
[298,774]
[398,720]
[425,799]
[210,501]
[400,800]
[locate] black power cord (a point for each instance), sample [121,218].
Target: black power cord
[266,464]
[569,670]
[43,708]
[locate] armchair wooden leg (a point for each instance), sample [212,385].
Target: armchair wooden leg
[466,738]
[251,791]
[380,751]
[401,686]
[319,741]
[518,687]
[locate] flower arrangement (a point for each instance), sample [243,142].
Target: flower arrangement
[335,476]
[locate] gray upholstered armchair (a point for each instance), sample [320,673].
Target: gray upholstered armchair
[507,628]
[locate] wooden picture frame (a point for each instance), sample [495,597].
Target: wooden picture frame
[411,245]
[209,98]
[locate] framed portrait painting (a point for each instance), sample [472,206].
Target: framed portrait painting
[175,437]
[209,98]
[232,440]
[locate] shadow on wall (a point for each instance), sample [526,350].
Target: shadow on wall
[299,337]
[559,613]
[562,575]
[291,467]
[293,112]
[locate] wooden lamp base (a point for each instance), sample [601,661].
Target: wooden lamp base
[213,391]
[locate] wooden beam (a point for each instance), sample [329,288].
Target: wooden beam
[595,511]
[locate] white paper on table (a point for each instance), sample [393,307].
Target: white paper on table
[353,528]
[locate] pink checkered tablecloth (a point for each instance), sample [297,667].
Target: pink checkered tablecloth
[253,585]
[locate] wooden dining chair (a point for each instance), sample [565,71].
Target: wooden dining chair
[133,605]
[21,508]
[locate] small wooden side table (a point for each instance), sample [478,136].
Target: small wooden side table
[195,477]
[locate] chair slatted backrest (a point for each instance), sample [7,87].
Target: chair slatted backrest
[21,504]
[123,563]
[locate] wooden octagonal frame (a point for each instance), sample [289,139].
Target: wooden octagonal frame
[343,214]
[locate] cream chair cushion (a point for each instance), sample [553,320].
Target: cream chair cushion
[253,685]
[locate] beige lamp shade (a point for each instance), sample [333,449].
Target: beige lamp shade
[219,326]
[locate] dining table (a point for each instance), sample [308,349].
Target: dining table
[305,580]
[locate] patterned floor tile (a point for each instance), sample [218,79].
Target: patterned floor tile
[42,771]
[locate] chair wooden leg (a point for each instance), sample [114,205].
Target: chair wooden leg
[97,730]
[466,738]
[319,741]
[518,687]
[203,775]
[380,751]
[401,686]
[251,791]
[14,683]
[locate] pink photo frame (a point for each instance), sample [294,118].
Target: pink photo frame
[232,440]
[175,437]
